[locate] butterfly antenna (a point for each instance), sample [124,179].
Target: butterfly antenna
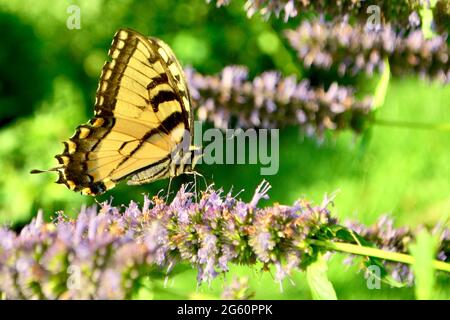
[36,171]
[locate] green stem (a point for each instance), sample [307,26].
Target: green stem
[413,125]
[377,253]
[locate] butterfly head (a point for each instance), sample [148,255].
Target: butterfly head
[185,162]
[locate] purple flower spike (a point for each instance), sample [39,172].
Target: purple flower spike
[272,101]
[400,13]
[105,253]
[354,50]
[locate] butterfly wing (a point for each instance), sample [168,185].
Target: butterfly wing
[142,111]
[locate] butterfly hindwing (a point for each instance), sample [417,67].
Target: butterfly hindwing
[142,112]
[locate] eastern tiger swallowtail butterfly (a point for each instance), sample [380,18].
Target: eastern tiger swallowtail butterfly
[142,118]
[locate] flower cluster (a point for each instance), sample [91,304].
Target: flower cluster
[273,101]
[385,236]
[352,49]
[95,255]
[398,12]
[106,253]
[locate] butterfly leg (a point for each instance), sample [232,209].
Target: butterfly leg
[168,190]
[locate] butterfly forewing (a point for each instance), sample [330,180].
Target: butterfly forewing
[142,111]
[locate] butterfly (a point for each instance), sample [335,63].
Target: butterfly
[142,129]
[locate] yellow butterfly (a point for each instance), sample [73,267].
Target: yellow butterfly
[143,120]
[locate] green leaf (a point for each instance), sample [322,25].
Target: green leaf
[382,86]
[143,293]
[423,251]
[316,276]
[348,235]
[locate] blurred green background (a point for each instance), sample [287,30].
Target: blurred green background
[48,78]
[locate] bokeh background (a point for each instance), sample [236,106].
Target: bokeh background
[48,79]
